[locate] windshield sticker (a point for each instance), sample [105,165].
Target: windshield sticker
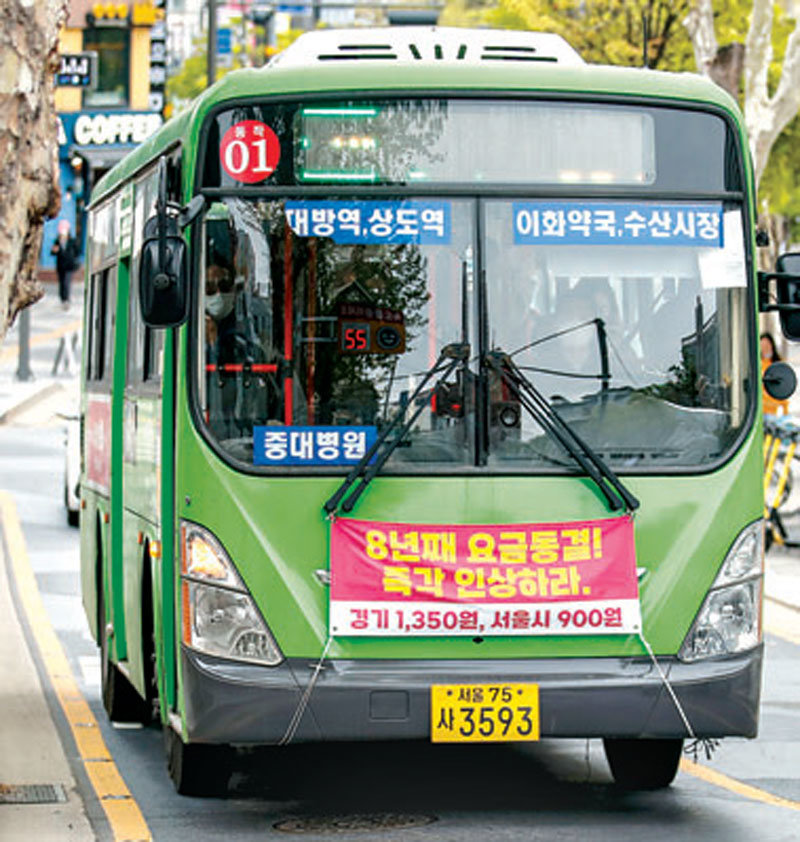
[350,223]
[392,579]
[311,446]
[249,151]
[617,223]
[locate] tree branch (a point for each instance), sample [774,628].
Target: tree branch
[758,47]
[766,117]
[787,94]
[699,23]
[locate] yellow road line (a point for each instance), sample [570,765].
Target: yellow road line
[123,813]
[732,785]
[42,338]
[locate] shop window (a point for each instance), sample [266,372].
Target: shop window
[112,45]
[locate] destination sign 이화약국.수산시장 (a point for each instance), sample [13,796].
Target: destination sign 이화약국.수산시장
[618,223]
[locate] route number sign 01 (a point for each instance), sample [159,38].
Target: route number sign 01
[249,151]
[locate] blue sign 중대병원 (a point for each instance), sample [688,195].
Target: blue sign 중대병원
[618,223]
[311,445]
[349,223]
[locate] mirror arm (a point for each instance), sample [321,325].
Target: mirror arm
[764,306]
[162,279]
[779,308]
[190,212]
[765,277]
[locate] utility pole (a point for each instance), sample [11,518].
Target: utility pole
[211,65]
[24,372]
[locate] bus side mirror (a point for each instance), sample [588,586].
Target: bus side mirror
[788,287]
[163,277]
[780,381]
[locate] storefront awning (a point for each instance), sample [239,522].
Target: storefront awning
[99,158]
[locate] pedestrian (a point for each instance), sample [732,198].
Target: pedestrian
[769,355]
[65,248]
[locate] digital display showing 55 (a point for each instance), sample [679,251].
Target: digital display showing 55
[355,337]
[364,329]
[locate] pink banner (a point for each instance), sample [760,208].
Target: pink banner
[538,578]
[97,442]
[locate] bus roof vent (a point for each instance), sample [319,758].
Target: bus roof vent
[426,44]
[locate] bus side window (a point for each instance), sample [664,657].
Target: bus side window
[101,322]
[108,318]
[136,331]
[153,353]
[91,330]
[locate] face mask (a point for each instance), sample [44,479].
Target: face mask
[220,304]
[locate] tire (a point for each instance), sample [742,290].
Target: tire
[196,769]
[643,764]
[120,698]
[73,515]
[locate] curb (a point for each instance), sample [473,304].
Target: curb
[27,403]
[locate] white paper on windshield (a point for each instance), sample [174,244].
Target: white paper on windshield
[722,268]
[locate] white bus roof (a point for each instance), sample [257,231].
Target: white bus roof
[434,45]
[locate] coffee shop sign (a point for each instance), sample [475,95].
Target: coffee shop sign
[102,129]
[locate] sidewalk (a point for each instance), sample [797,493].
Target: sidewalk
[51,329]
[39,798]
[38,794]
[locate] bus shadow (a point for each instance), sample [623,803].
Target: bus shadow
[418,777]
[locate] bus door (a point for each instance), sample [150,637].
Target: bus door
[141,487]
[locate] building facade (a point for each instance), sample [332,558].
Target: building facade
[109,98]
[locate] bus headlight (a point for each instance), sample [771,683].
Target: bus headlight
[219,614]
[729,620]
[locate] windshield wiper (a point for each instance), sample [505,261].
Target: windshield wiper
[451,356]
[538,407]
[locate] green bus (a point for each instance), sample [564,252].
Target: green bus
[426,406]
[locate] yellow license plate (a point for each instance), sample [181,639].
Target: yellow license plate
[484,713]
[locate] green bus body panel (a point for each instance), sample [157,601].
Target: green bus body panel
[275,532]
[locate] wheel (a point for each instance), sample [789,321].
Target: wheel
[120,699]
[643,764]
[197,769]
[73,515]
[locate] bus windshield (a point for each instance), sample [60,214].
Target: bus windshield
[307,323]
[349,242]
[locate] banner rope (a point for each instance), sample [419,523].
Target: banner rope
[294,723]
[697,744]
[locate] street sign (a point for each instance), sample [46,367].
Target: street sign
[223,41]
[77,70]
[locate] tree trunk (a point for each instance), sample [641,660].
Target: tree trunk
[29,181]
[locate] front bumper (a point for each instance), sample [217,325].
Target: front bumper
[229,702]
